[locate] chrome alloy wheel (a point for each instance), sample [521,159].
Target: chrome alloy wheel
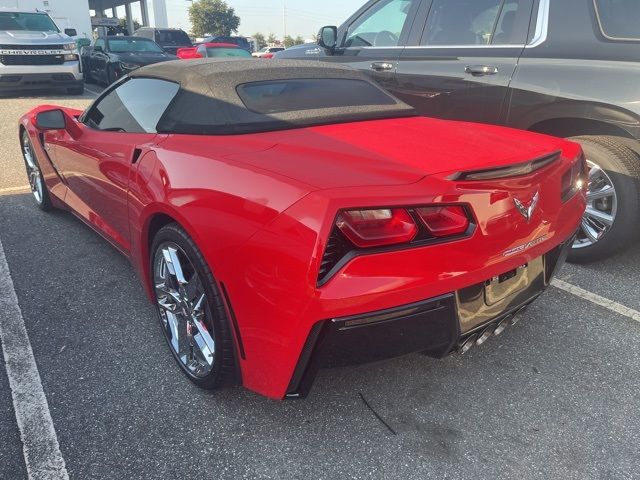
[33,171]
[183,308]
[602,205]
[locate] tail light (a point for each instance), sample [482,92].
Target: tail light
[444,221]
[358,232]
[575,179]
[377,228]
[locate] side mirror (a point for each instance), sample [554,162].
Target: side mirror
[51,120]
[71,32]
[328,38]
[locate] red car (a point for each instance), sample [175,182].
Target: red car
[213,50]
[287,216]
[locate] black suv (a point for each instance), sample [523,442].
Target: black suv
[569,68]
[170,39]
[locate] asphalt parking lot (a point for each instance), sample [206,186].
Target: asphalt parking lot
[555,397]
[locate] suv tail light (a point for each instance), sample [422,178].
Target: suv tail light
[576,178]
[444,221]
[377,228]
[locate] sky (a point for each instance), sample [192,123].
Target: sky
[303,17]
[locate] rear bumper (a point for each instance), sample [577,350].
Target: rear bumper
[436,326]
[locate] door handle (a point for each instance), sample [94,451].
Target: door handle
[481,70]
[382,66]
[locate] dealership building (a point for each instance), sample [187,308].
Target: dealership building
[84,15]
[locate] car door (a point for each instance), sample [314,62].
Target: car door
[464,59]
[93,57]
[99,60]
[97,156]
[374,38]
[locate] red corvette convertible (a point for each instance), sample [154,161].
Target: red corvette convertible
[288,216]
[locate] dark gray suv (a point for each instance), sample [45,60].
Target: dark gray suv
[569,68]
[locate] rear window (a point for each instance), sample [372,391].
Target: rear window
[294,95]
[173,37]
[130,45]
[221,52]
[619,19]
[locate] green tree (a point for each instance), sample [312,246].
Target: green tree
[260,40]
[271,39]
[123,24]
[213,17]
[298,40]
[289,41]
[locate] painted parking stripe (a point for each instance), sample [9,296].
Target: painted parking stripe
[597,299]
[39,441]
[92,91]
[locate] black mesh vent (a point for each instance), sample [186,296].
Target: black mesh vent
[337,247]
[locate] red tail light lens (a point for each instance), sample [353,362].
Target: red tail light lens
[377,228]
[444,221]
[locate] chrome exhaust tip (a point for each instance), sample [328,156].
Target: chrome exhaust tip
[502,325]
[467,344]
[518,315]
[486,333]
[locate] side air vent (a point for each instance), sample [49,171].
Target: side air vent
[516,170]
[337,248]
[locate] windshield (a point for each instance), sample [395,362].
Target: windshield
[137,45]
[173,37]
[227,52]
[34,22]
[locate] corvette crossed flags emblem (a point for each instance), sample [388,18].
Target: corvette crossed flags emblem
[527,212]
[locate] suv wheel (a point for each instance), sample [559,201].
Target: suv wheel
[610,222]
[76,90]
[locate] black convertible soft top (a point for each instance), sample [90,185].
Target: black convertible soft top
[219,96]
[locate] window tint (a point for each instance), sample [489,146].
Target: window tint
[310,94]
[227,52]
[478,22]
[381,25]
[619,19]
[173,37]
[100,43]
[135,106]
[134,44]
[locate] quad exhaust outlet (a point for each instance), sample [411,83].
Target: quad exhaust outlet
[492,330]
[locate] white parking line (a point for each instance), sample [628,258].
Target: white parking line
[39,441]
[597,299]
[92,91]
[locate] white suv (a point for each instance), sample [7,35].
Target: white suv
[35,54]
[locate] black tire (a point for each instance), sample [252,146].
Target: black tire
[79,90]
[88,78]
[111,75]
[44,203]
[224,370]
[622,165]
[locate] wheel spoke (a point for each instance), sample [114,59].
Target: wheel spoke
[183,308]
[589,231]
[172,330]
[606,192]
[205,343]
[173,265]
[601,217]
